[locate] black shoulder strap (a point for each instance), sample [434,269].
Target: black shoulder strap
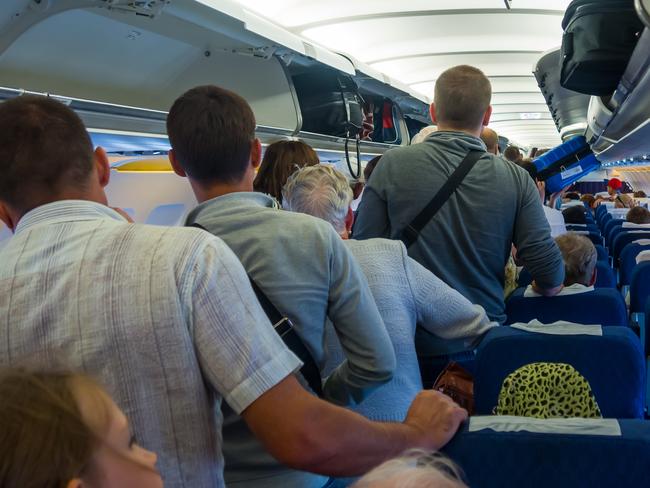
[285,329]
[412,231]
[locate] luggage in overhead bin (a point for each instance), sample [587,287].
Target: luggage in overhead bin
[566,164]
[329,102]
[599,37]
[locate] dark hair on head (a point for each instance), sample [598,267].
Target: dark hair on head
[370,167]
[589,199]
[638,215]
[572,195]
[530,167]
[512,154]
[281,160]
[575,215]
[211,131]
[44,150]
[461,97]
[640,194]
[45,441]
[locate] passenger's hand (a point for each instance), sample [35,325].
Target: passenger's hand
[123,214]
[435,418]
[547,292]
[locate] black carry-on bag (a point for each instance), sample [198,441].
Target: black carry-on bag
[599,37]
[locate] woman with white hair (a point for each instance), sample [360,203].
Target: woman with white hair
[406,293]
[414,469]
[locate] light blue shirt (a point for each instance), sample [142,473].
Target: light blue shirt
[164,317]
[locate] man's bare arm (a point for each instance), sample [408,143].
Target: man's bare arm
[310,434]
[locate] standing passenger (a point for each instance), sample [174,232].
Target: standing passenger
[468,241]
[280,160]
[406,293]
[298,261]
[165,317]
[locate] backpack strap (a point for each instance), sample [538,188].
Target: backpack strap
[412,231]
[285,329]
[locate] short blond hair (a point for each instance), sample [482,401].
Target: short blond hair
[580,256]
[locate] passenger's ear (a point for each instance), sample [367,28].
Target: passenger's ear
[178,169]
[6,217]
[593,277]
[256,153]
[487,116]
[103,166]
[432,112]
[349,219]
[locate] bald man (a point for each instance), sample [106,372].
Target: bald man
[491,140]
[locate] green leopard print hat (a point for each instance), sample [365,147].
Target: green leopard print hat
[547,390]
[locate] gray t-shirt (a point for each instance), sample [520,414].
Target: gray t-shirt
[307,272]
[468,241]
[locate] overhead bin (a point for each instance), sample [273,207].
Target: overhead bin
[568,108]
[619,125]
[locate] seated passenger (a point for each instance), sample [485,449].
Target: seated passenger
[165,317]
[575,215]
[588,200]
[406,293]
[298,262]
[423,134]
[638,215]
[640,194]
[280,160]
[614,186]
[580,258]
[554,217]
[414,469]
[491,140]
[64,430]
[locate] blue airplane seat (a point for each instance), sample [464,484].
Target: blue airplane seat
[609,225]
[604,306]
[623,239]
[603,255]
[564,459]
[640,287]
[613,363]
[627,261]
[578,227]
[605,277]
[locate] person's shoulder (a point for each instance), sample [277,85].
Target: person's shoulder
[379,248]
[175,241]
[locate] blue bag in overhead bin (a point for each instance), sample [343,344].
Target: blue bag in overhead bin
[566,164]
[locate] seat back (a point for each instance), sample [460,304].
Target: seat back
[627,261]
[623,239]
[491,457]
[605,277]
[612,363]
[603,306]
[603,255]
[612,228]
[639,287]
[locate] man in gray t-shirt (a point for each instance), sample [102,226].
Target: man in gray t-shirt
[468,241]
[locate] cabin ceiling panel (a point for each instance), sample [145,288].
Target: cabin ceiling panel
[295,13]
[413,41]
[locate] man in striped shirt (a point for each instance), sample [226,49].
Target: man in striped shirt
[164,317]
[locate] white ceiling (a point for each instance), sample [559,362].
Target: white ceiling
[413,41]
